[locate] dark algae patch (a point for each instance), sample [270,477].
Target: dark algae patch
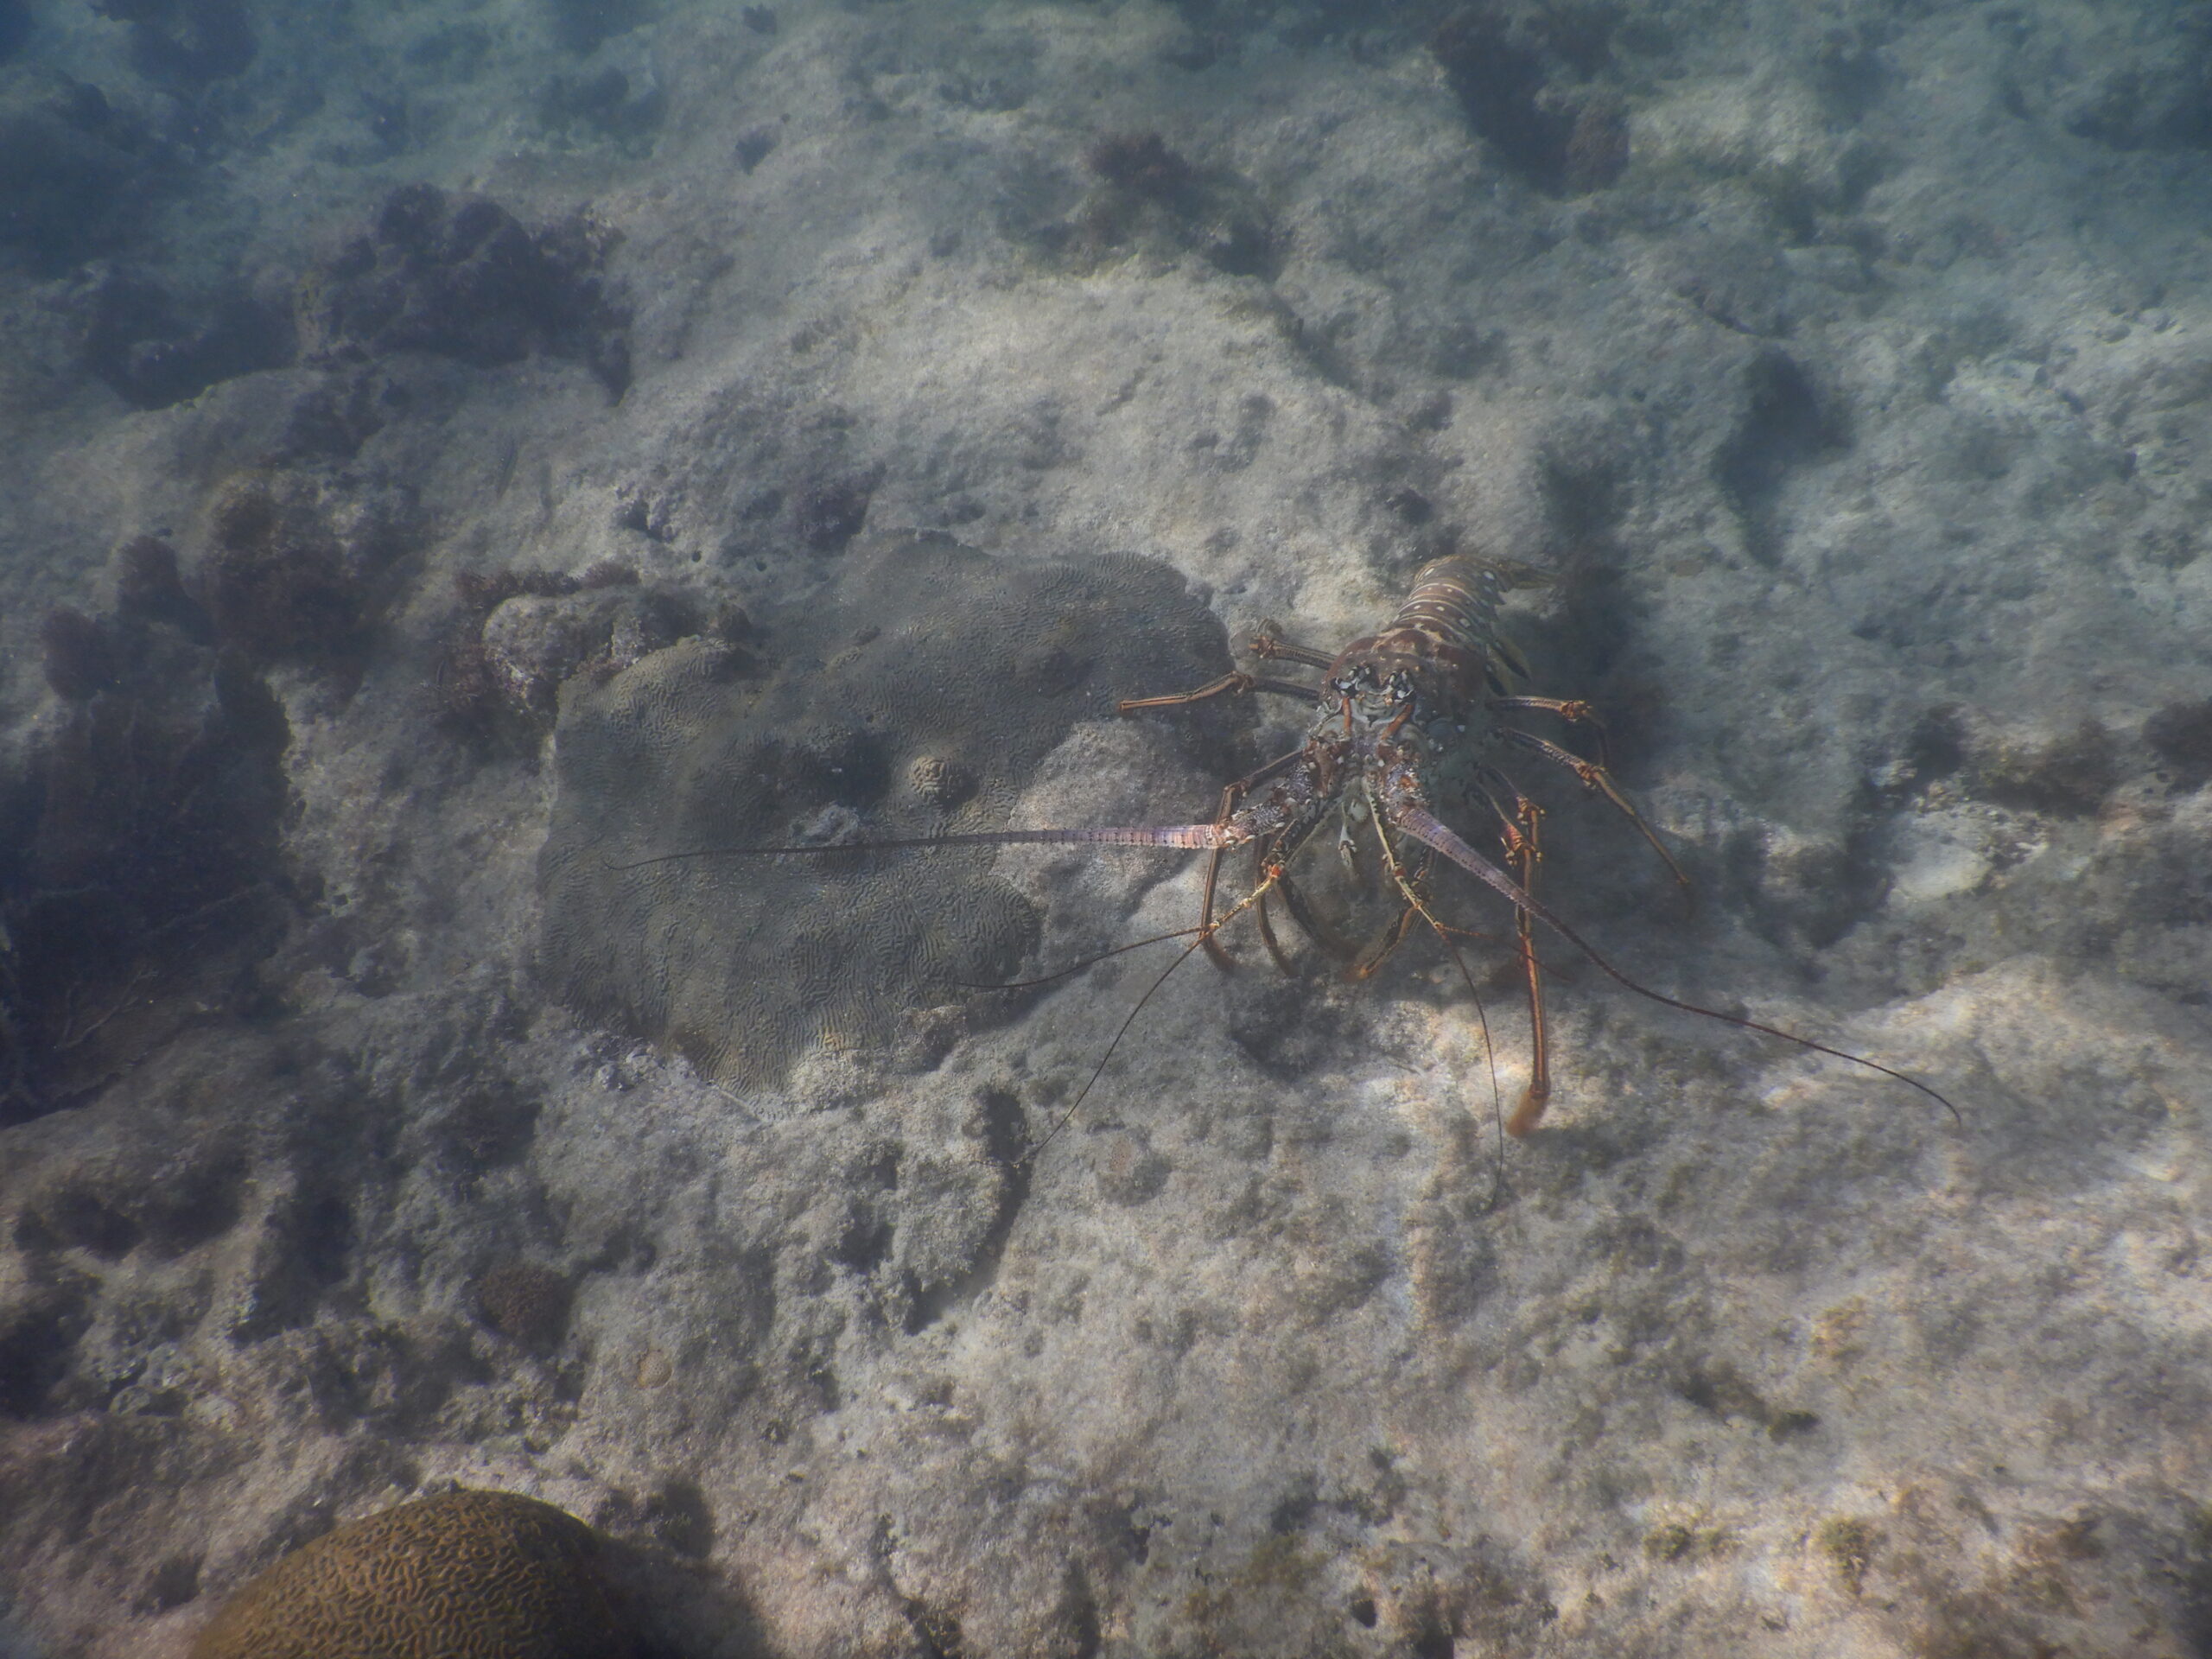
[139,854]
[1528,78]
[460,277]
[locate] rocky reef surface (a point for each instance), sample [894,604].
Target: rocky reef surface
[435,431]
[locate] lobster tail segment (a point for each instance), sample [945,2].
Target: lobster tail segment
[1445,633]
[1453,599]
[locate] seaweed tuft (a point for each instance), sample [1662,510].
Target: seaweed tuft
[831,513]
[1849,1545]
[457,275]
[77,175]
[2180,734]
[1519,74]
[1147,192]
[1140,164]
[153,348]
[150,588]
[76,652]
[276,581]
[526,1303]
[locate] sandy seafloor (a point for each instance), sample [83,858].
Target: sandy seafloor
[1862,415]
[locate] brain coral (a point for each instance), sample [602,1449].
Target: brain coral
[913,696]
[461,1576]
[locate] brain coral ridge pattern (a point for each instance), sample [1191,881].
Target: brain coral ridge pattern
[467,1575]
[915,696]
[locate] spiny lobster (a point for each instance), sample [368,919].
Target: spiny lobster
[1397,712]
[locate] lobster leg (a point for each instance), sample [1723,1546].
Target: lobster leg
[1215,954]
[1271,861]
[1527,852]
[1260,854]
[1594,776]
[1230,797]
[1371,962]
[1524,851]
[1234,684]
[1574,710]
[1265,644]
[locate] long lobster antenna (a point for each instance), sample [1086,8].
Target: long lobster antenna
[1199,837]
[1424,826]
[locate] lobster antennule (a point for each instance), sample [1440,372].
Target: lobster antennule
[1198,837]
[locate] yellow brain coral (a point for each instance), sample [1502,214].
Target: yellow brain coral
[469,1575]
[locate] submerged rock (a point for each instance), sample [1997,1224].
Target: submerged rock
[914,699]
